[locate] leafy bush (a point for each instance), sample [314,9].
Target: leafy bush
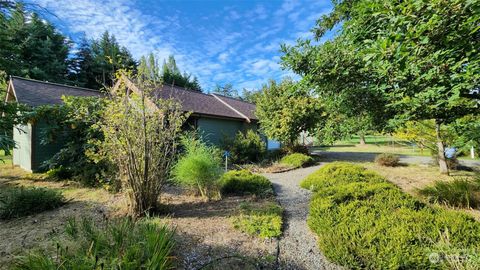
[458,193]
[120,244]
[264,220]
[365,222]
[387,159]
[296,160]
[22,201]
[245,182]
[338,173]
[246,147]
[296,148]
[199,167]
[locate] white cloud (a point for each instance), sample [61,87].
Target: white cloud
[223,57]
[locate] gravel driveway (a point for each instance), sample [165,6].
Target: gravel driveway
[298,247]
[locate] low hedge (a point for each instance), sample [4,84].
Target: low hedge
[364,222]
[337,173]
[296,160]
[242,182]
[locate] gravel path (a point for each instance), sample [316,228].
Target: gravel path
[298,247]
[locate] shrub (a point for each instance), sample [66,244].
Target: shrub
[337,173]
[296,148]
[296,160]
[264,220]
[246,147]
[458,193]
[22,201]
[199,167]
[365,222]
[120,244]
[245,182]
[387,159]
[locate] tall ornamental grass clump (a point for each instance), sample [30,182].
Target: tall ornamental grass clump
[457,193]
[22,201]
[364,222]
[119,244]
[199,167]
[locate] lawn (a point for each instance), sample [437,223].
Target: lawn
[377,144]
[5,159]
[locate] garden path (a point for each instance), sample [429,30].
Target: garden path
[298,245]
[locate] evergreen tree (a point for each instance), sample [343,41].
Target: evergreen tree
[83,67]
[172,75]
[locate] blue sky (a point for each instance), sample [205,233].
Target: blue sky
[220,42]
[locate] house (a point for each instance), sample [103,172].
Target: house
[214,116]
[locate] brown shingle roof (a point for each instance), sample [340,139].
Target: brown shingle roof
[208,104]
[36,93]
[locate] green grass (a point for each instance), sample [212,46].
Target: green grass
[264,220]
[6,160]
[364,222]
[375,144]
[22,201]
[118,244]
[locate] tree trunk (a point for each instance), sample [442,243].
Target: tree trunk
[442,162]
[362,139]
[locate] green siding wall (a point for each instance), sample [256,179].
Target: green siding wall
[214,130]
[22,135]
[43,152]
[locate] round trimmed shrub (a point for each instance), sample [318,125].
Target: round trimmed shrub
[296,160]
[241,182]
[387,160]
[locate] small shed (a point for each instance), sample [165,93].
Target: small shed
[214,116]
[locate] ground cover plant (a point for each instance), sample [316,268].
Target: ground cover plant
[22,201]
[242,182]
[263,220]
[296,160]
[118,244]
[387,159]
[338,173]
[364,222]
[457,193]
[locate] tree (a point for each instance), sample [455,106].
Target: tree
[226,90]
[250,95]
[83,70]
[286,109]
[31,47]
[422,56]
[109,57]
[172,75]
[141,138]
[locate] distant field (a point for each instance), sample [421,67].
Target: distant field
[375,144]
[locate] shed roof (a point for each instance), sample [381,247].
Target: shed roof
[36,93]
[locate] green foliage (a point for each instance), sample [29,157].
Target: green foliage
[199,168]
[457,193]
[172,75]
[119,244]
[21,201]
[387,159]
[418,65]
[245,182]
[339,173]
[364,222]
[260,220]
[12,116]
[75,123]
[286,109]
[245,147]
[296,160]
[141,139]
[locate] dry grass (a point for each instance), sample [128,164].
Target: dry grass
[411,178]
